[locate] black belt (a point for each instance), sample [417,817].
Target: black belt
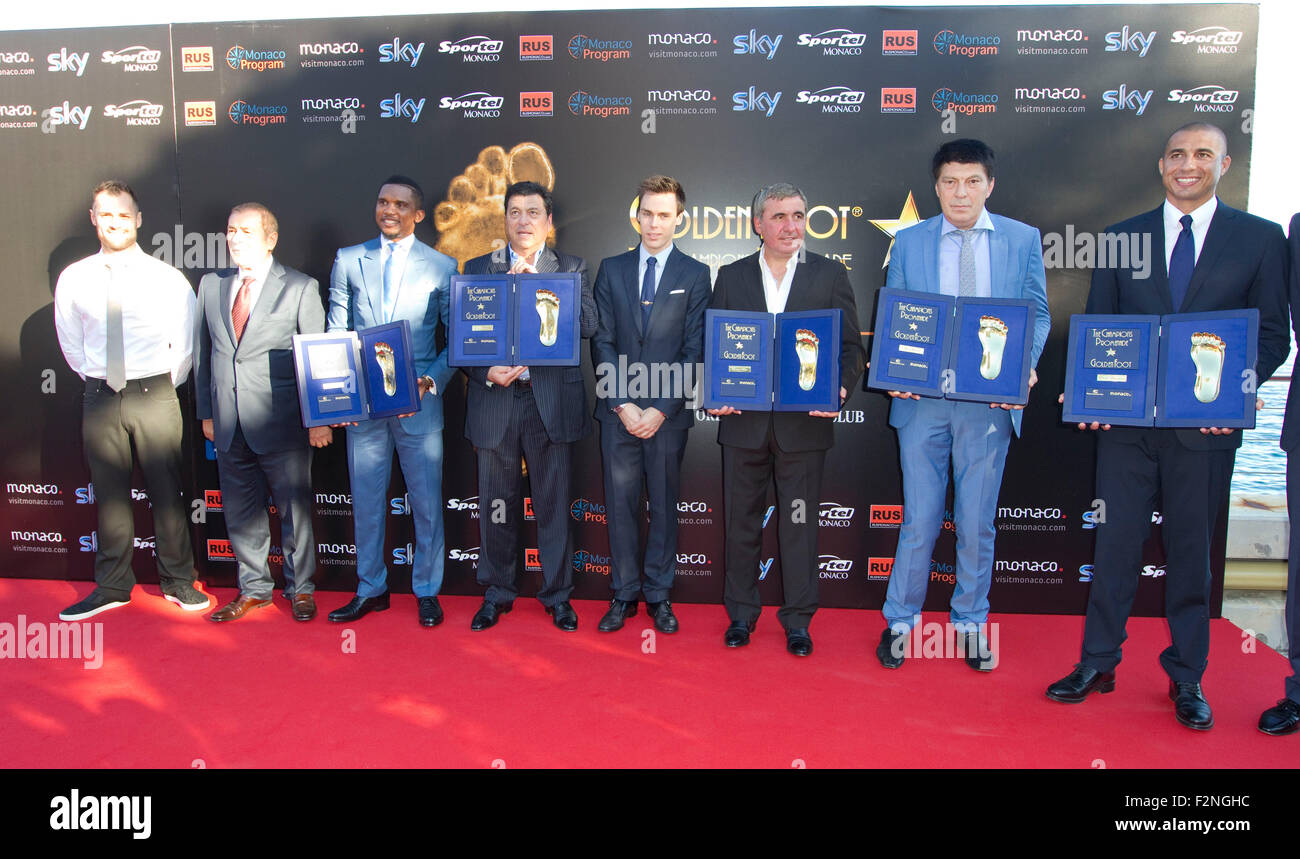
[97,386]
[522,386]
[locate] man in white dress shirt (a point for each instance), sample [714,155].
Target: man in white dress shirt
[125,322]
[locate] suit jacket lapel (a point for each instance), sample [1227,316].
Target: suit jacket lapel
[372,277]
[1155,224]
[1216,239]
[411,274]
[930,254]
[798,299]
[227,288]
[271,289]
[667,280]
[999,253]
[547,261]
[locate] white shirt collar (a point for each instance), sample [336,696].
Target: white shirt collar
[258,272]
[983,222]
[400,245]
[661,258]
[1201,215]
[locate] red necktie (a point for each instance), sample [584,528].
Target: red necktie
[239,313]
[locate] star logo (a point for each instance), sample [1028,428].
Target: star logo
[891,226]
[912,326]
[1110,353]
[481,306]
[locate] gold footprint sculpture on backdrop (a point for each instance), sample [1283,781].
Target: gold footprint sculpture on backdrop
[471,220]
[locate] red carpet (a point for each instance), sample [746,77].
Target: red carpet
[265,691]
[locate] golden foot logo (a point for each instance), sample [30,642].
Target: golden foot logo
[993,337]
[384,357]
[471,221]
[548,308]
[1207,355]
[805,346]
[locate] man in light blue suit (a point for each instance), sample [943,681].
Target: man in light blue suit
[964,251]
[386,279]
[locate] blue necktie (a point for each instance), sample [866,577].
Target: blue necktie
[1182,262]
[390,288]
[647,292]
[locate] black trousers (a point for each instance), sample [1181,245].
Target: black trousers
[144,417]
[499,480]
[627,461]
[1293,574]
[746,475]
[1191,486]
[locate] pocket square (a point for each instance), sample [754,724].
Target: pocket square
[677,292]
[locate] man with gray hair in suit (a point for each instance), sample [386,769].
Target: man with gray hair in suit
[247,398]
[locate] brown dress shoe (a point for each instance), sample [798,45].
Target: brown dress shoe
[304,606]
[237,609]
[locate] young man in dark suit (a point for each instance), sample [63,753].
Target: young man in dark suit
[647,345]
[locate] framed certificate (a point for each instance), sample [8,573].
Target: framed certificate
[331,389]
[909,346]
[1110,370]
[1206,360]
[807,360]
[738,348]
[479,333]
[389,371]
[990,350]
[513,319]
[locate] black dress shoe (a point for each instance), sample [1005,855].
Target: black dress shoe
[1190,707]
[662,614]
[359,607]
[978,654]
[798,641]
[618,610]
[737,635]
[1080,683]
[430,611]
[564,616]
[1282,719]
[488,614]
[890,649]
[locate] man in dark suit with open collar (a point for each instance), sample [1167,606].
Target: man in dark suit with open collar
[1284,717]
[534,412]
[1205,257]
[790,446]
[246,395]
[651,301]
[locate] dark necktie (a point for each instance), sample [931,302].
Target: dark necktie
[1182,262]
[648,292]
[242,307]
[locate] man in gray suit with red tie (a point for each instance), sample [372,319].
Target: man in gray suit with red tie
[651,302]
[534,412]
[246,394]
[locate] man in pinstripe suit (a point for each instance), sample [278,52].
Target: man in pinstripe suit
[537,412]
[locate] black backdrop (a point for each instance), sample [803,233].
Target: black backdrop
[309,116]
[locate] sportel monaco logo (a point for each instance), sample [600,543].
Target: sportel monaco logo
[473,49]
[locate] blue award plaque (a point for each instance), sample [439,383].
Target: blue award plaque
[389,376]
[479,331]
[546,319]
[331,386]
[991,344]
[909,346]
[738,349]
[1204,364]
[1110,370]
[807,362]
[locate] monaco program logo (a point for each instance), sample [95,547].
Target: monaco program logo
[965,103]
[584,510]
[949,44]
[583,103]
[247,113]
[582,47]
[243,59]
